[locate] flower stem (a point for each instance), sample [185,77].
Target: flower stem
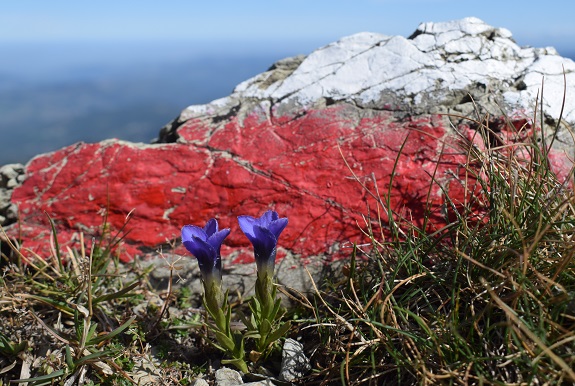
[219,309]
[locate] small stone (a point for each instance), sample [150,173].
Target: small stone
[200,382]
[228,377]
[294,362]
[265,382]
[12,183]
[11,171]
[11,212]
[146,370]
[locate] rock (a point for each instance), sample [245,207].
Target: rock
[11,175]
[265,382]
[281,140]
[200,382]
[146,370]
[295,365]
[228,377]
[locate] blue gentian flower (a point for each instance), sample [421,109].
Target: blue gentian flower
[263,233]
[205,243]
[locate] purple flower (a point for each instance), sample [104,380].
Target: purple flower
[263,233]
[205,243]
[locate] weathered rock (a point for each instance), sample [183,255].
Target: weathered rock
[11,175]
[282,139]
[228,377]
[146,371]
[200,382]
[265,382]
[295,365]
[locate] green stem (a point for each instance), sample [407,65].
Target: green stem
[266,296]
[219,309]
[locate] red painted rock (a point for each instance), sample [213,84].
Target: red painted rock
[313,138]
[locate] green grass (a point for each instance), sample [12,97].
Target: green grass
[486,298]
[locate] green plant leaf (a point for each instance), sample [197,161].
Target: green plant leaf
[278,333]
[95,356]
[10,349]
[265,327]
[124,292]
[56,245]
[240,364]
[59,305]
[43,378]
[225,341]
[240,340]
[228,320]
[69,360]
[112,334]
[249,322]
[91,332]
[276,309]
[252,335]
[256,308]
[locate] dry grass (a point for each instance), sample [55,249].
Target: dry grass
[487,299]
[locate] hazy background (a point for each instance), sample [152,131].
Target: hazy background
[86,71]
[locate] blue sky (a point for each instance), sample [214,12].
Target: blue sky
[310,23]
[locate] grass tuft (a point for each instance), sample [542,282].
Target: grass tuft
[487,299]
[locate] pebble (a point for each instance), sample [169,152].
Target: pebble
[294,362]
[228,377]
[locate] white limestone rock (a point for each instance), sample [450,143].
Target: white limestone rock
[439,69]
[200,382]
[11,175]
[437,66]
[228,377]
[295,364]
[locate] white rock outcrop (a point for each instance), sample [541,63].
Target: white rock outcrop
[436,69]
[11,175]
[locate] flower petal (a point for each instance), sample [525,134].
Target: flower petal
[247,225]
[206,254]
[267,218]
[211,227]
[217,238]
[190,231]
[277,226]
[264,243]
